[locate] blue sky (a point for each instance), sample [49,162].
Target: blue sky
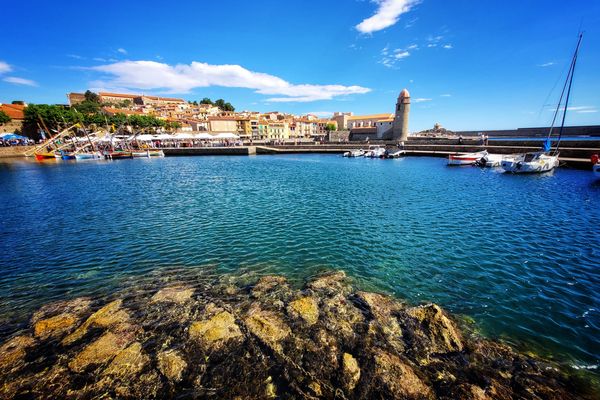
[467,64]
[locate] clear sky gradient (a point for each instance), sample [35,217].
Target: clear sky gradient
[467,64]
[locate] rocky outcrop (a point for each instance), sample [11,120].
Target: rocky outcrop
[266,340]
[110,315]
[172,365]
[215,331]
[306,309]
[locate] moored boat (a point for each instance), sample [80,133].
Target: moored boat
[88,156]
[466,158]
[147,153]
[395,154]
[596,166]
[375,151]
[46,156]
[491,160]
[118,155]
[531,163]
[354,153]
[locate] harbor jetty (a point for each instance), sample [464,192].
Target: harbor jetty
[266,339]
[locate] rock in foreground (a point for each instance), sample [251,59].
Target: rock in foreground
[268,341]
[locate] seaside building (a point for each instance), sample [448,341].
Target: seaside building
[75,98]
[400,125]
[341,118]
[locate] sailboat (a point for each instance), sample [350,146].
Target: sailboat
[545,160]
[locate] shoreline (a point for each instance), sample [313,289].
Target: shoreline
[270,339]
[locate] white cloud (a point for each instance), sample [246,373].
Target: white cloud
[122,50]
[445,95]
[19,81]
[421,100]
[413,47]
[577,109]
[181,78]
[387,14]
[548,64]
[430,45]
[4,67]
[447,46]
[401,54]
[75,56]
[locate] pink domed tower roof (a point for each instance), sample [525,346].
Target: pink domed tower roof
[404,93]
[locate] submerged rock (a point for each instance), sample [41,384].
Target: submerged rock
[55,326]
[216,331]
[14,351]
[128,362]
[172,365]
[174,294]
[268,326]
[100,352]
[109,315]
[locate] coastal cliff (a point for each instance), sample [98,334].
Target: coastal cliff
[265,340]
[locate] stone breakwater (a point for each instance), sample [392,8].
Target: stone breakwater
[265,340]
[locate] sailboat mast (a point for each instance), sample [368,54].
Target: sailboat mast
[562,124]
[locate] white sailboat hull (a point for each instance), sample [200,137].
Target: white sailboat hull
[530,165]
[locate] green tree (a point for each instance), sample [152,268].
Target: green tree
[330,127]
[206,100]
[18,102]
[91,96]
[87,107]
[4,118]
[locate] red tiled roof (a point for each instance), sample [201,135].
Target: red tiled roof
[14,111]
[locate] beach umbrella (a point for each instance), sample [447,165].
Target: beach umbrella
[204,136]
[12,136]
[226,135]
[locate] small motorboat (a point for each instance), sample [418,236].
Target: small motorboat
[88,156]
[395,154]
[490,160]
[467,158]
[354,153]
[67,156]
[375,151]
[148,153]
[529,163]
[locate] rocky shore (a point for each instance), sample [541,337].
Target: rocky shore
[265,340]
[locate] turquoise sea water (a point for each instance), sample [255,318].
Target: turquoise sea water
[518,254]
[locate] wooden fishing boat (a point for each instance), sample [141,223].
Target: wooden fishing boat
[45,156]
[118,155]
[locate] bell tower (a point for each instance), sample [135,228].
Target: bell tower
[400,128]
